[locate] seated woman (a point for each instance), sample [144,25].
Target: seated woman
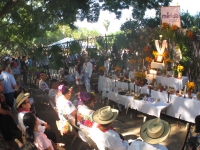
[85,110]
[63,104]
[33,135]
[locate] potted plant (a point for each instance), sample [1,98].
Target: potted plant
[140,77]
[179,70]
[117,71]
[190,88]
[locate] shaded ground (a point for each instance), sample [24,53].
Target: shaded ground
[130,128]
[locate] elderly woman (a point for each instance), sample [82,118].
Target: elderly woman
[85,110]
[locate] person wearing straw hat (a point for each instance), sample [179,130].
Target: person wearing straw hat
[103,134]
[23,106]
[155,131]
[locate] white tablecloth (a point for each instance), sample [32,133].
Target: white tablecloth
[147,107]
[141,145]
[188,108]
[177,83]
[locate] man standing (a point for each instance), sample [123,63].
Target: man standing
[9,84]
[24,70]
[87,69]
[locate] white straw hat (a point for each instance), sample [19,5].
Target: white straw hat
[105,115]
[154,131]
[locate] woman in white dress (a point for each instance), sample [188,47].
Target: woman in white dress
[79,76]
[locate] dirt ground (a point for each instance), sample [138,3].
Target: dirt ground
[127,124]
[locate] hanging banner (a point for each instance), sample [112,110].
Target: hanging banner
[171,15]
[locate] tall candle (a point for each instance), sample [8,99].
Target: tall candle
[134,86]
[143,64]
[185,89]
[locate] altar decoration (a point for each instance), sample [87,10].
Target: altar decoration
[190,34]
[148,60]
[132,61]
[190,88]
[165,25]
[140,78]
[179,70]
[168,62]
[101,70]
[146,49]
[174,27]
[117,71]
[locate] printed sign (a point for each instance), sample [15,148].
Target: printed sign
[171,15]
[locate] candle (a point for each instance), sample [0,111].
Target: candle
[140,90]
[143,64]
[185,90]
[134,86]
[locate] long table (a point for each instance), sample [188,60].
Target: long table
[186,108]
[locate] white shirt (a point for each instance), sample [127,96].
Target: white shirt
[88,68]
[109,139]
[41,141]
[64,106]
[107,64]
[20,122]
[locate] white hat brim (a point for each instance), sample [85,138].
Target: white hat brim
[96,118]
[146,138]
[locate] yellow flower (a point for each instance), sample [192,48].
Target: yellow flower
[117,69]
[174,27]
[180,68]
[131,61]
[168,60]
[190,86]
[148,59]
[101,68]
[139,75]
[190,34]
[165,25]
[155,53]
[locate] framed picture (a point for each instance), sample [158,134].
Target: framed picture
[159,59]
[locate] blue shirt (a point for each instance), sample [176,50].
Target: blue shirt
[69,78]
[8,82]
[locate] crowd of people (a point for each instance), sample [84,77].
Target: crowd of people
[17,108]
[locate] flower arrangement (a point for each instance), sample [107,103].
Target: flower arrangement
[140,60]
[190,34]
[132,61]
[146,49]
[180,68]
[174,27]
[101,68]
[148,60]
[168,60]
[155,53]
[190,86]
[165,25]
[118,69]
[139,75]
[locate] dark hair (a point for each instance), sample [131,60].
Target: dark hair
[62,88]
[79,69]
[86,97]
[29,146]
[66,73]
[4,66]
[65,83]
[29,121]
[53,81]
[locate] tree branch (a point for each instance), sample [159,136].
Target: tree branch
[8,6]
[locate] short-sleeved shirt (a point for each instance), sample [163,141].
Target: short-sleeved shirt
[43,86]
[65,106]
[41,141]
[52,93]
[8,82]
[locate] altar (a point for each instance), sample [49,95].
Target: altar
[157,65]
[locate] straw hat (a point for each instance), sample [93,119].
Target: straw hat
[105,115]
[20,98]
[154,131]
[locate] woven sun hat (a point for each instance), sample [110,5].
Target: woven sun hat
[105,115]
[21,98]
[154,131]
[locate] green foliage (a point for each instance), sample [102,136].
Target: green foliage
[75,47]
